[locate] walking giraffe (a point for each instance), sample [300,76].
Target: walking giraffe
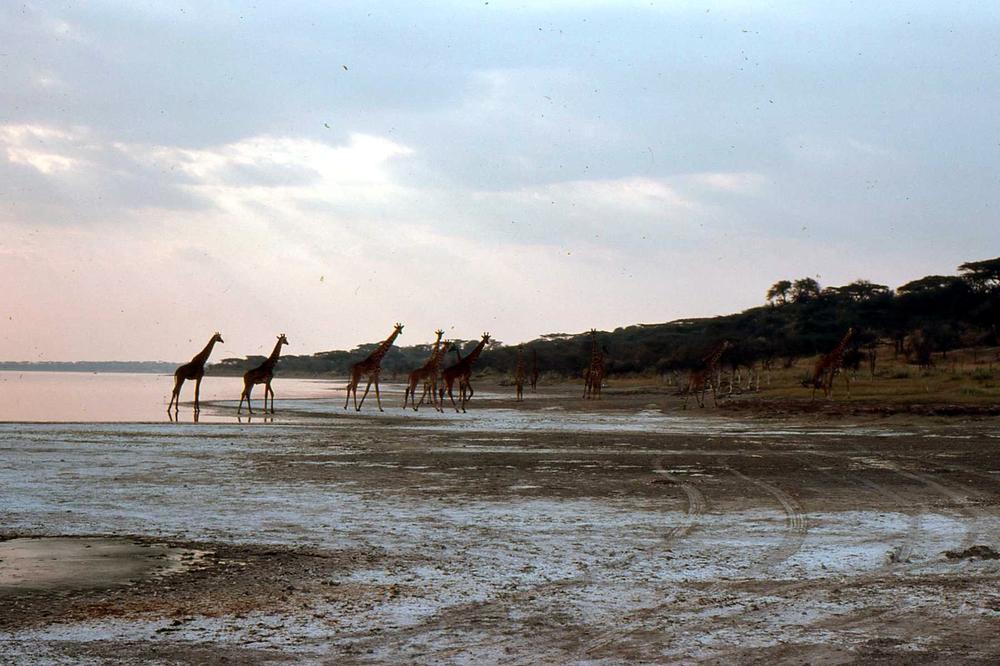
[703,376]
[370,367]
[594,377]
[194,369]
[262,374]
[533,377]
[828,365]
[519,375]
[462,371]
[426,373]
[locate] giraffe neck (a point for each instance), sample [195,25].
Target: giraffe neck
[474,354]
[436,353]
[273,358]
[714,357]
[203,355]
[838,351]
[383,348]
[438,356]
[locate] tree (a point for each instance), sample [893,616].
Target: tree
[982,275]
[863,290]
[805,289]
[929,283]
[779,292]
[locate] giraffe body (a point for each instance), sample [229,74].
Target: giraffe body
[519,375]
[828,365]
[370,368]
[461,371]
[428,375]
[703,376]
[594,375]
[193,370]
[262,374]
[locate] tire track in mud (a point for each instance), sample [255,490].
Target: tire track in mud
[796,524]
[874,618]
[450,617]
[696,505]
[794,534]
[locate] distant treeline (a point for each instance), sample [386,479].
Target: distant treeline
[153,367]
[801,318]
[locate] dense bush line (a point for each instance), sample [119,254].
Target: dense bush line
[931,315]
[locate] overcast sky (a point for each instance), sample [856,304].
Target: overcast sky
[325,169]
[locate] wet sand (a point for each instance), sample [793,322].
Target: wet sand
[556,531]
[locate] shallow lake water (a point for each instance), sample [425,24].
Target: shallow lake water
[72,397]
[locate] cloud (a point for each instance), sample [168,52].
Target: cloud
[745,183]
[41,148]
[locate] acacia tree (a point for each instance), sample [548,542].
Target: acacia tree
[779,292]
[982,275]
[805,289]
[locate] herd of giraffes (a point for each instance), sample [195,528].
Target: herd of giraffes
[436,381]
[367,369]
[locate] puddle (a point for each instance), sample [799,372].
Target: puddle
[86,562]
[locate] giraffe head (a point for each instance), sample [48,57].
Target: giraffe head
[217,337]
[486,338]
[439,333]
[398,329]
[282,340]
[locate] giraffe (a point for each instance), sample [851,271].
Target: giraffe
[194,369]
[428,371]
[519,374]
[703,376]
[828,365]
[594,377]
[533,377]
[262,374]
[370,367]
[462,371]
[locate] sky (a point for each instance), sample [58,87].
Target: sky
[326,169]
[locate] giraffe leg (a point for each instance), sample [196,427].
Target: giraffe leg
[365,395]
[267,390]
[197,391]
[378,400]
[246,394]
[715,398]
[440,396]
[175,397]
[450,395]
[351,384]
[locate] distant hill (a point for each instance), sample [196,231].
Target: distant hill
[151,367]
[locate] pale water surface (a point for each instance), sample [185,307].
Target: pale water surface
[125,397]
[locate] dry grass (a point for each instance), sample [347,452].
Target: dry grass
[967,376]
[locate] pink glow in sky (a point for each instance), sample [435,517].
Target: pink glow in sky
[168,171]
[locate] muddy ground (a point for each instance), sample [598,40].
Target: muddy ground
[556,531]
